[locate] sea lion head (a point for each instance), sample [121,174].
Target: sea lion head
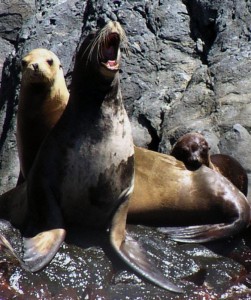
[193,149]
[101,50]
[40,66]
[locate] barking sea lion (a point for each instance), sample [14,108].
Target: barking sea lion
[163,209]
[83,174]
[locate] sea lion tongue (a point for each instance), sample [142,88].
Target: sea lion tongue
[110,52]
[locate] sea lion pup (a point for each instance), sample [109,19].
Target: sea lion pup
[42,99]
[167,194]
[83,174]
[193,149]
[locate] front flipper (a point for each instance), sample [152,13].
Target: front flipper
[5,243]
[132,253]
[40,249]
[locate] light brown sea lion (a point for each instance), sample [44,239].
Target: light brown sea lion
[83,174]
[193,149]
[167,194]
[42,99]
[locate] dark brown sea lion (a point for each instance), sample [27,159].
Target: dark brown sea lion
[83,174]
[167,194]
[42,99]
[193,149]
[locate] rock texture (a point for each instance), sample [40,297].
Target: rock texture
[189,68]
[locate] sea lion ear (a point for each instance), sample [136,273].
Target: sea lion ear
[23,63]
[92,35]
[60,66]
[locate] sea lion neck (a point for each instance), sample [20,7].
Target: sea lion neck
[34,94]
[92,90]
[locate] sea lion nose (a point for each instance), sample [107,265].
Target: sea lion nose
[35,66]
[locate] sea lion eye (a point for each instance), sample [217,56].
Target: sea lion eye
[50,62]
[24,63]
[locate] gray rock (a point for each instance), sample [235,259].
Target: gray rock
[237,143]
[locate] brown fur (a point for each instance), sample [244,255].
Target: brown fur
[166,193]
[193,149]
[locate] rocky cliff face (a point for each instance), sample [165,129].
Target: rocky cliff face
[189,69]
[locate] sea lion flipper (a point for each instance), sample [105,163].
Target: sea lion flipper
[132,253]
[5,243]
[40,249]
[202,233]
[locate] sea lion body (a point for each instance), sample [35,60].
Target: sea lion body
[42,99]
[88,181]
[83,173]
[84,169]
[167,194]
[193,149]
[229,167]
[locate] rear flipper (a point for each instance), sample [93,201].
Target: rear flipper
[132,253]
[230,202]
[203,233]
[40,250]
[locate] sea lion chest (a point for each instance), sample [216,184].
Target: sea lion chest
[98,168]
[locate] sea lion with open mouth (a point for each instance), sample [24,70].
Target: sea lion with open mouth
[83,174]
[164,210]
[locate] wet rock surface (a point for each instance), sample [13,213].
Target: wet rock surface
[188,69]
[218,270]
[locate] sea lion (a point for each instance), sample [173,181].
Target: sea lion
[166,194]
[42,99]
[83,174]
[143,211]
[193,149]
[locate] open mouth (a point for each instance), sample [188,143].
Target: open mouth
[110,51]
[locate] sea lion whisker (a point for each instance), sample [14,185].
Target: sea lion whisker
[93,45]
